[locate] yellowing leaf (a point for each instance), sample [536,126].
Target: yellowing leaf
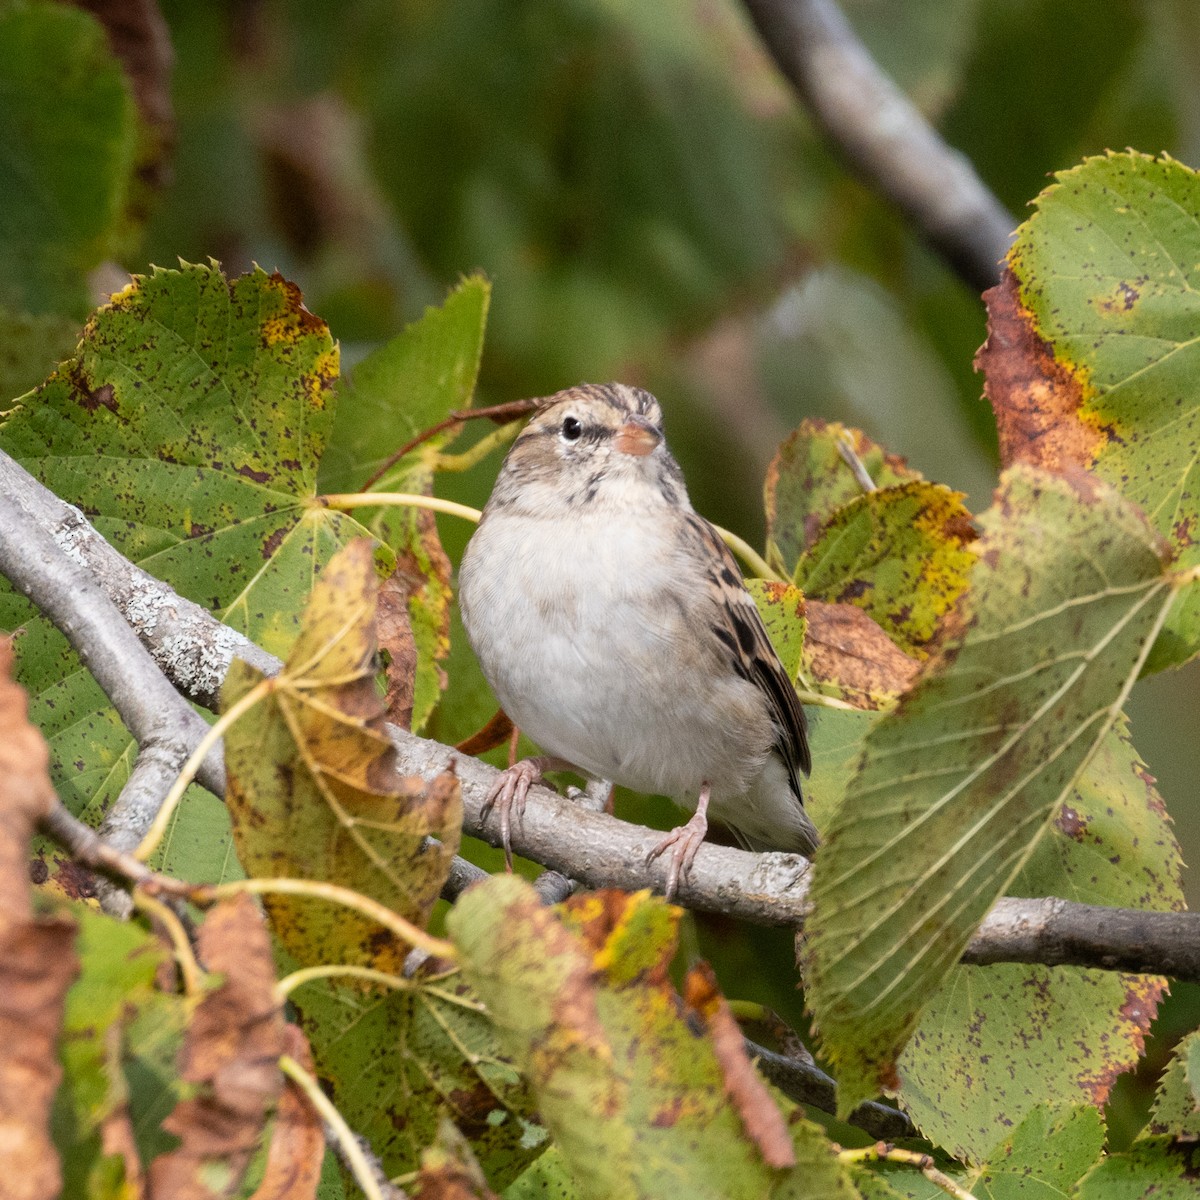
[313,788]
[640,1101]
[901,554]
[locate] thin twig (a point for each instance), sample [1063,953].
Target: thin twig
[883,135]
[189,968]
[373,1187]
[883,1152]
[856,464]
[496,412]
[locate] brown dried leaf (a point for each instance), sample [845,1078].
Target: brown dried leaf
[231,1054]
[1036,399]
[298,1141]
[847,655]
[743,1085]
[37,960]
[393,626]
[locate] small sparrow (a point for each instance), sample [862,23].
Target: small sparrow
[613,625]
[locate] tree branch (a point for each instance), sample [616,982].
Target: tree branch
[191,647]
[596,849]
[883,135]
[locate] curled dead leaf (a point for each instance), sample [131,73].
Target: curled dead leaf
[297,1147]
[37,959]
[760,1114]
[231,1054]
[394,627]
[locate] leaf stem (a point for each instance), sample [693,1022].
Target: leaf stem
[189,968]
[478,452]
[885,1152]
[348,500]
[355,1158]
[335,894]
[215,732]
[289,983]
[749,556]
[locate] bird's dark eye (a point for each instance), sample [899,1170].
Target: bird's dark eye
[571,429]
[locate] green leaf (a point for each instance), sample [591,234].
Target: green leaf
[313,787]
[955,790]
[1176,1109]
[68,139]
[994,1043]
[1154,1169]
[547,1179]
[1094,348]
[409,385]
[808,480]
[394,1062]
[634,1096]
[1043,1157]
[120,1036]
[189,426]
[901,553]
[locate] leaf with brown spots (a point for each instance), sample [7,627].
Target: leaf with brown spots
[636,1096]
[846,655]
[313,788]
[394,1062]
[994,1043]
[37,959]
[809,479]
[118,1028]
[408,385]
[1093,350]
[189,426]
[297,1146]
[956,789]
[901,554]
[230,1056]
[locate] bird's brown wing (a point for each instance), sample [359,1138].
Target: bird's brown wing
[739,627]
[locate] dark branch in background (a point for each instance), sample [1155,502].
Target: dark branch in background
[596,849]
[884,137]
[806,1083]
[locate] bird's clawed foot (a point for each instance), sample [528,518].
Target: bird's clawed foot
[684,842]
[508,794]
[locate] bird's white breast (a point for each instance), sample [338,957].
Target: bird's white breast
[593,635]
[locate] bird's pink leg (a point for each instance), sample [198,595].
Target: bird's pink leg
[686,840]
[510,789]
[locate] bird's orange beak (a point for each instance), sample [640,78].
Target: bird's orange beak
[637,437]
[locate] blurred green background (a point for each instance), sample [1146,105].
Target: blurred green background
[651,204]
